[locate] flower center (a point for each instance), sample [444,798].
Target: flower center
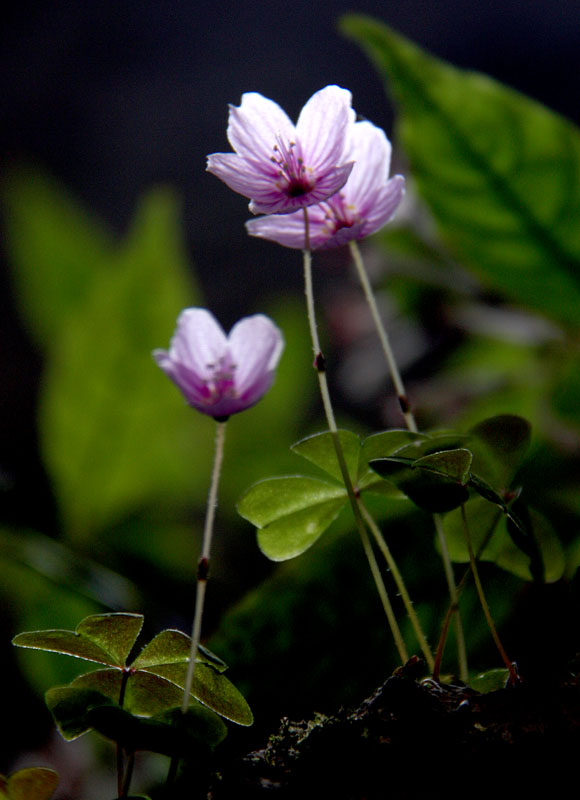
[222,381]
[295,179]
[338,214]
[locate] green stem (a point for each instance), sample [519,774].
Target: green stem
[319,365]
[460,586]
[398,578]
[513,674]
[120,751]
[411,426]
[128,775]
[452,588]
[203,564]
[383,337]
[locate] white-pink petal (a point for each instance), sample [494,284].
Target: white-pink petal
[254,125]
[322,127]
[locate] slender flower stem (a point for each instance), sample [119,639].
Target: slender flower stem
[513,674]
[203,564]
[383,336]
[128,775]
[411,426]
[447,566]
[319,365]
[460,587]
[398,578]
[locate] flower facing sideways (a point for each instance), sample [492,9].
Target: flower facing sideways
[367,201]
[282,167]
[217,374]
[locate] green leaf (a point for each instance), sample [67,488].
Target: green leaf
[174,734]
[273,499]
[32,783]
[103,638]
[431,490]
[294,534]
[449,463]
[77,710]
[69,706]
[491,681]
[319,449]
[173,647]
[103,396]
[55,249]
[500,172]
[291,513]
[381,445]
[145,693]
[483,518]
[505,440]
[210,687]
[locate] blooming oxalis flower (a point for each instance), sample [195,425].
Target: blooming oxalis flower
[282,167]
[366,202]
[217,374]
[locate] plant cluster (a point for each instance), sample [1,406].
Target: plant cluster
[321,184]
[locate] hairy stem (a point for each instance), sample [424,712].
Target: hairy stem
[203,564]
[513,674]
[411,426]
[319,365]
[383,337]
[398,578]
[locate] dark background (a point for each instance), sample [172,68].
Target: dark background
[114,97]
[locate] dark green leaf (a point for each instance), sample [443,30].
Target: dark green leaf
[173,647]
[145,693]
[210,687]
[505,440]
[103,638]
[449,463]
[500,172]
[175,735]
[484,518]
[429,490]
[69,706]
[115,633]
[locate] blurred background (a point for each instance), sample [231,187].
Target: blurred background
[110,225]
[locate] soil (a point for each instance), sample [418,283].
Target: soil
[416,738]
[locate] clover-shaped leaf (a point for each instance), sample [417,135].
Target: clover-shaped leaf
[103,638]
[435,482]
[292,512]
[77,709]
[152,683]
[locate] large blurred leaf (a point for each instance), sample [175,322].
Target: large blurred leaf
[55,249]
[113,432]
[500,172]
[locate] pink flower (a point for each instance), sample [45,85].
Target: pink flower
[367,201]
[218,374]
[282,167]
